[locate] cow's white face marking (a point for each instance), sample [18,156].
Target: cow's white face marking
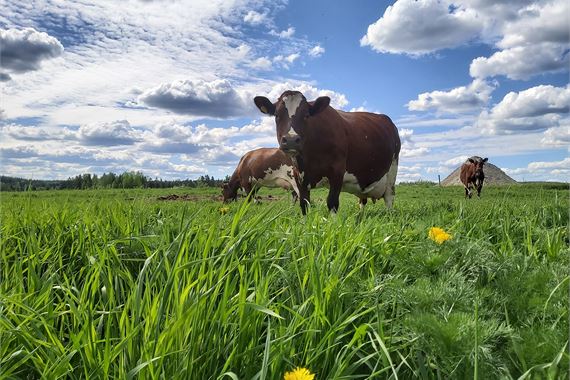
[292,133]
[292,103]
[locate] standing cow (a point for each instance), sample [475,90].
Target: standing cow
[472,175]
[269,167]
[355,152]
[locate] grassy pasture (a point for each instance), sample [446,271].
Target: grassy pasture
[120,284]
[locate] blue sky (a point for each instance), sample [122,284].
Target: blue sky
[166,87]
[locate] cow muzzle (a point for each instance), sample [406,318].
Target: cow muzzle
[290,143]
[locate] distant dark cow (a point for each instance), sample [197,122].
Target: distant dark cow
[472,175]
[355,152]
[268,167]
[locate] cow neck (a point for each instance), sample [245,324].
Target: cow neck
[323,126]
[234,182]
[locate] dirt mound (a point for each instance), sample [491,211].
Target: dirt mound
[493,176]
[215,198]
[188,197]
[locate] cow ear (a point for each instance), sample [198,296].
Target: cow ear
[264,105]
[470,160]
[485,159]
[320,104]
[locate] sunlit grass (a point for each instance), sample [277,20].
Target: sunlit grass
[99,284]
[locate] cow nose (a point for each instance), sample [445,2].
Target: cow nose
[290,141]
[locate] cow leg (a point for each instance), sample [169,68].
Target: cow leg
[389,196]
[254,194]
[249,191]
[304,198]
[335,186]
[294,196]
[363,202]
[390,191]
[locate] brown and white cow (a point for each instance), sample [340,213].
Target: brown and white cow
[268,167]
[472,175]
[354,152]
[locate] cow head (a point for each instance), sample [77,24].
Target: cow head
[478,162]
[292,113]
[228,193]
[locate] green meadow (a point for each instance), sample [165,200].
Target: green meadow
[122,284]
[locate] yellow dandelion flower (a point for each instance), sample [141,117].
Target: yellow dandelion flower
[438,235]
[299,374]
[224,210]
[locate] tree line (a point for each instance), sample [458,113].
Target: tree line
[126,180]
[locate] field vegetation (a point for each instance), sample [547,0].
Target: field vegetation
[122,284]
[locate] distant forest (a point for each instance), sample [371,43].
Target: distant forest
[126,180]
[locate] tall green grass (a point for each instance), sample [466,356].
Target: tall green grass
[117,284]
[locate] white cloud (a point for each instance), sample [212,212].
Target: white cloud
[533,109]
[24,49]
[34,133]
[286,61]
[409,147]
[118,132]
[255,18]
[217,99]
[461,99]
[287,33]
[310,92]
[516,62]
[422,26]
[542,171]
[532,37]
[557,136]
[261,63]
[536,41]
[292,57]
[317,51]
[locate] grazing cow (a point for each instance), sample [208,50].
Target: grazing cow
[472,175]
[355,152]
[269,167]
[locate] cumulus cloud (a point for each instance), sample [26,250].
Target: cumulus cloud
[317,51]
[34,133]
[287,33]
[338,100]
[558,136]
[543,171]
[531,36]
[418,27]
[24,49]
[263,127]
[409,147]
[522,62]
[536,41]
[255,18]
[460,99]
[286,61]
[533,109]
[217,99]
[117,132]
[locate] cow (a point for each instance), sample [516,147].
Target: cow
[269,167]
[472,175]
[354,152]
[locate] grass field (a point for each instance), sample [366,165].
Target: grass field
[120,284]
